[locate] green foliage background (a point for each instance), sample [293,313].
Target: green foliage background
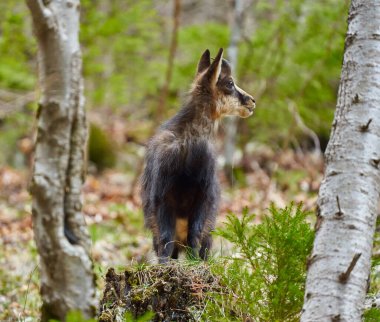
[289,58]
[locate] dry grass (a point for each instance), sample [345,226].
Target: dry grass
[177,291]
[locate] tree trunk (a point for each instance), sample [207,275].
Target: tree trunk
[231,123]
[169,71]
[67,280]
[348,199]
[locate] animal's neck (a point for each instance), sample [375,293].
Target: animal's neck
[202,125]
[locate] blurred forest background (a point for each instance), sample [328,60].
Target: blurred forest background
[289,58]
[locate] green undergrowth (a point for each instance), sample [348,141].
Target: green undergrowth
[373,314]
[375,267]
[263,281]
[19,282]
[266,277]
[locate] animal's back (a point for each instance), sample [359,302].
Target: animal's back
[179,174]
[192,178]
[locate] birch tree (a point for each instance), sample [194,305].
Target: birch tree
[67,281]
[232,53]
[339,265]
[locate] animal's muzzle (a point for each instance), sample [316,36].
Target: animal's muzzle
[249,102]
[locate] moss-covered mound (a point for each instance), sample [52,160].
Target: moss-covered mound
[101,150]
[173,292]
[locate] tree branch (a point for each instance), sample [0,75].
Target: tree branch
[343,277]
[172,52]
[339,212]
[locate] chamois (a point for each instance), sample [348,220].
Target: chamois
[179,186]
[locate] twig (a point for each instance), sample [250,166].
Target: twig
[303,127]
[356,99]
[340,212]
[343,277]
[364,128]
[13,102]
[27,290]
[375,163]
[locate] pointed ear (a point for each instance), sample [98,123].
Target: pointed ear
[204,62]
[215,68]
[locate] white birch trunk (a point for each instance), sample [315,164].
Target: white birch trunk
[348,199]
[67,280]
[232,54]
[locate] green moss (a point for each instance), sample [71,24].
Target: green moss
[175,292]
[101,152]
[371,315]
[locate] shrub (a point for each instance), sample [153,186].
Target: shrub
[266,279]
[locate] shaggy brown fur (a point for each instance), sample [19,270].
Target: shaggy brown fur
[180,190]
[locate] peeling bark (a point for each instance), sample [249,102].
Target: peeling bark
[67,280]
[348,199]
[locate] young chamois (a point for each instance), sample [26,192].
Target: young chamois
[180,189]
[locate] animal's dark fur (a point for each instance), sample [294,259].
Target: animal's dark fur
[180,190]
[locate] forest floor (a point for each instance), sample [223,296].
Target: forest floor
[115,219]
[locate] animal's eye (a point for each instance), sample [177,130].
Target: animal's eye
[230,84]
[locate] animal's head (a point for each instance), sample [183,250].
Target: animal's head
[214,81]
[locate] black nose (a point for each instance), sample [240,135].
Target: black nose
[248,100]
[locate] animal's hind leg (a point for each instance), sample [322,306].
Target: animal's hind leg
[166,228]
[155,244]
[193,236]
[199,223]
[206,245]
[175,252]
